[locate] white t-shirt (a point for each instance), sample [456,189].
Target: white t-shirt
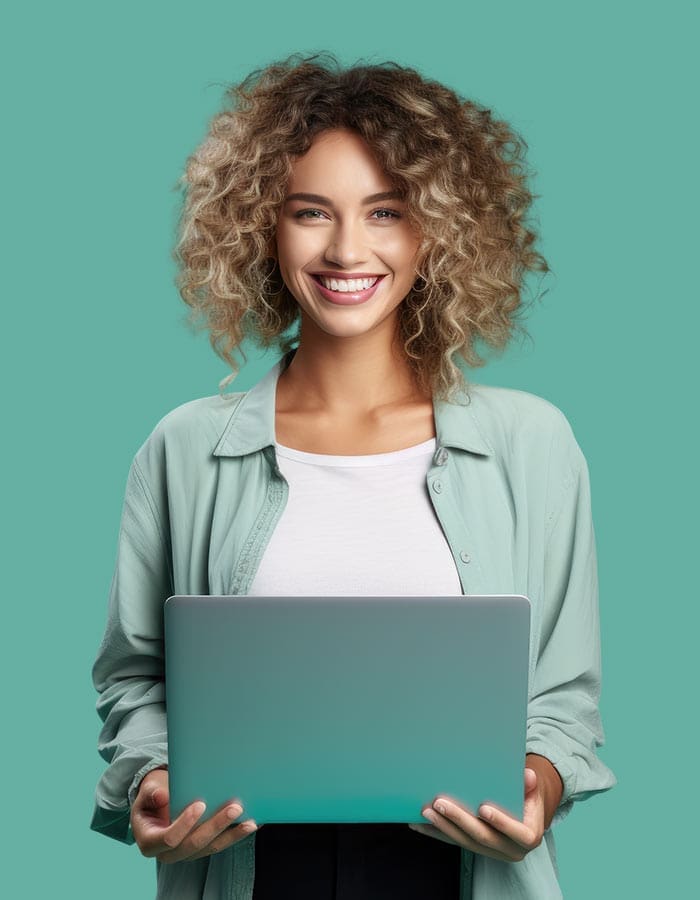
[357,525]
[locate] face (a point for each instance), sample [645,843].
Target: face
[344,245]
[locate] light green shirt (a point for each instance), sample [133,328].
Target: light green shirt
[510,489]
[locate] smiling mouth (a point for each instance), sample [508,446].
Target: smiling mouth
[347,291]
[347,285]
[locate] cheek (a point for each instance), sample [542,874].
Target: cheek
[289,269]
[406,267]
[403,250]
[297,249]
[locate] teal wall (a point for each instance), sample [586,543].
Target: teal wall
[103,102]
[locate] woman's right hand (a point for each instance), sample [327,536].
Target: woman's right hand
[182,839]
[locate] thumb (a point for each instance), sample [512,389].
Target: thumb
[530,781]
[157,796]
[154,793]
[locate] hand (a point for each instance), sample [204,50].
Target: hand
[493,832]
[183,838]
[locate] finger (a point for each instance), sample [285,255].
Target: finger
[156,839]
[200,838]
[526,834]
[196,842]
[461,837]
[472,833]
[153,792]
[155,797]
[530,780]
[228,837]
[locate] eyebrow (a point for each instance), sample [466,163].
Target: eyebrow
[326,201]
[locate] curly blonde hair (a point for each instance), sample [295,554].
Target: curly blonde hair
[460,170]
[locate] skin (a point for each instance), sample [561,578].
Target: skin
[348,390]
[492,832]
[188,837]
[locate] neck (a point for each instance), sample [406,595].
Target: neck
[352,376]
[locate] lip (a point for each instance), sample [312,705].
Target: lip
[347,298]
[349,275]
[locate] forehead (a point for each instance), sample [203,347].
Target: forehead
[339,158]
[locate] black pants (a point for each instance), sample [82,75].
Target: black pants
[353,862]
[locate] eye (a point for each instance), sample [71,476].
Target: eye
[308,214]
[386,214]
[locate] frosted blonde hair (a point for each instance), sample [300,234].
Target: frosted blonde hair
[462,175]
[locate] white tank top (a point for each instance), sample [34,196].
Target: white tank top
[357,525]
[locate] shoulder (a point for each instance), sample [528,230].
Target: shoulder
[532,444]
[508,409]
[204,419]
[191,430]
[518,424]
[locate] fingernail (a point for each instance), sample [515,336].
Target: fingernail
[428,814]
[440,807]
[232,812]
[199,808]
[486,812]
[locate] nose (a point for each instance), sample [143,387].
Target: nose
[347,245]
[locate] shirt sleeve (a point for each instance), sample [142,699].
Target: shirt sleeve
[128,673]
[564,722]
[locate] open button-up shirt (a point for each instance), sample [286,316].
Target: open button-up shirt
[510,488]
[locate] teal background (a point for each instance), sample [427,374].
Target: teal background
[102,104]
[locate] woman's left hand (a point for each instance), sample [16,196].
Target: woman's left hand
[493,832]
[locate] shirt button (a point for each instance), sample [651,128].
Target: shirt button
[437,486]
[465,557]
[441,456]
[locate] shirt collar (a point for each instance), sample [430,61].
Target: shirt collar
[251,426]
[456,425]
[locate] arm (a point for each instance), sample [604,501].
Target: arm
[132,797]
[129,669]
[564,723]
[563,728]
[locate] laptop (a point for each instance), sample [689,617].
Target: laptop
[346,709]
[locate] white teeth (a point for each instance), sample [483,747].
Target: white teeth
[347,285]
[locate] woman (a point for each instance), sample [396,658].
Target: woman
[387,217]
